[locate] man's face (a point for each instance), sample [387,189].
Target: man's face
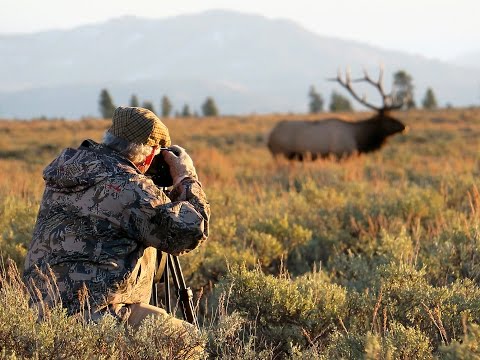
[148,160]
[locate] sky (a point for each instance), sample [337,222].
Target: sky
[440,29]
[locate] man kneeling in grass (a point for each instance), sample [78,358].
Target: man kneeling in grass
[102,220]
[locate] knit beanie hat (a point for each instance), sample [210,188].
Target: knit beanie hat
[140,126]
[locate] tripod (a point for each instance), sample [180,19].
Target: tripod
[169,266]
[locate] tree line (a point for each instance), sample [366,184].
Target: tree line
[107,106]
[403,90]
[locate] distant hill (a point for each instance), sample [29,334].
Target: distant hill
[471,59]
[248,63]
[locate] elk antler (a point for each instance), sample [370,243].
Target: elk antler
[388,100]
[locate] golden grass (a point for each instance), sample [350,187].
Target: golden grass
[409,211]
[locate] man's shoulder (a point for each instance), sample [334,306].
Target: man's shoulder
[90,144]
[111,158]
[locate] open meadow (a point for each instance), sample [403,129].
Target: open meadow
[374,257]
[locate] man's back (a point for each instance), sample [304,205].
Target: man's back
[97,223]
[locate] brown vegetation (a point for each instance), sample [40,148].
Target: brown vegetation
[373,256]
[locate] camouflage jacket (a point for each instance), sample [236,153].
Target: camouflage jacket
[100,223]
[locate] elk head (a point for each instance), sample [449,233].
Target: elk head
[388,124]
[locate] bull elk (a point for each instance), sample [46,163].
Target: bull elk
[336,137]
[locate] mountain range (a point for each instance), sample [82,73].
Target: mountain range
[247,63]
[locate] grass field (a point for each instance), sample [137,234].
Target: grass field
[373,257]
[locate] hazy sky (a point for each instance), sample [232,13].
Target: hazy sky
[441,29]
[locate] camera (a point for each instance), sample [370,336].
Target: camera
[159,170]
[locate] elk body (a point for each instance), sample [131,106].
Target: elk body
[335,137]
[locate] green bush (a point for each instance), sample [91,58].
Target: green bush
[292,312]
[17,220]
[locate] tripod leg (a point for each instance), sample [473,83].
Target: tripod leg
[154,297]
[159,276]
[184,293]
[166,282]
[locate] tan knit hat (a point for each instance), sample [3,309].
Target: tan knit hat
[140,126]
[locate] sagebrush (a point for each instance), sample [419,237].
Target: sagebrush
[371,257]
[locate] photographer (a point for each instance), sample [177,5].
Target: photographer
[101,221]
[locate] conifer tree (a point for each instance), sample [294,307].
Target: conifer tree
[186,111]
[134,101]
[166,106]
[106,105]
[339,102]
[209,108]
[316,101]
[148,105]
[403,88]
[429,101]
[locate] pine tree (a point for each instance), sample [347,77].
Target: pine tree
[429,101]
[209,108]
[403,89]
[148,105]
[134,101]
[186,111]
[106,105]
[316,101]
[339,103]
[166,106]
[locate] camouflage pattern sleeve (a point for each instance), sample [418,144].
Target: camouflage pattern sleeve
[99,223]
[176,224]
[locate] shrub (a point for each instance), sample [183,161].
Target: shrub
[291,312]
[17,220]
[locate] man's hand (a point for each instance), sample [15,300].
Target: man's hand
[179,163]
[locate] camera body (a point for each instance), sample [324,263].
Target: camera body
[159,170]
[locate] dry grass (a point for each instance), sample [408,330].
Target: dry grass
[394,232]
